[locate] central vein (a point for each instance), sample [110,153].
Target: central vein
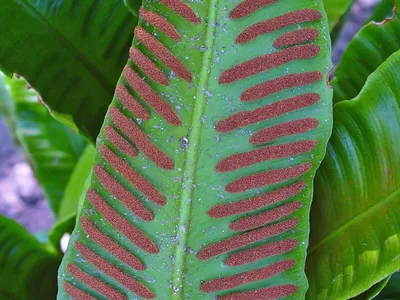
[189,173]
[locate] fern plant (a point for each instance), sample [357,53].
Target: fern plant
[203,175]
[201,183]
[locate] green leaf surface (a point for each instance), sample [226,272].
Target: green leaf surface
[6,106]
[133,6]
[61,226]
[374,291]
[71,51]
[392,289]
[355,218]
[371,46]
[76,182]
[335,9]
[28,270]
[53,148]
[193,194]
[383,10]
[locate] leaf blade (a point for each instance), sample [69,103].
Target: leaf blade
[82,60]
[358,223]
[165,174]
[51,146]
[28,268]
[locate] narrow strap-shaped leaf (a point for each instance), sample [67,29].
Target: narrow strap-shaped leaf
[203,176]
[355,218]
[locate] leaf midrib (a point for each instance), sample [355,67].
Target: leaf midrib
[189,171]
[370,210]
[91,67]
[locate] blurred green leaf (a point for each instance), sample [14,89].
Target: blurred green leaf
[371,46]
[53,148]
[62,226]
[71,51]
[355,217]
[133,6]
[6,106]
[28,269]
[391,290]
[383,10]
[73,191]
[373,291]
[335,9]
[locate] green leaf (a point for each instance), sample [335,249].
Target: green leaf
[76,182]
[392,289]
[355,218]
[70,51]
[133,6]
[371,46]
[62,226]
[161,223]
[383,10]
[372,292]
[6,106]
[335,9]
[52,147]
[28,270]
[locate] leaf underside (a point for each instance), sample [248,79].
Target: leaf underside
[203,175]
[355,218]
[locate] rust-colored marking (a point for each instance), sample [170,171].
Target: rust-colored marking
[285,20]
[122,194]
[279,84]
[265,218]
[271,177]
[110,270]
[246,205]
[275,292]
[242,160]
[182,9]
[147,66]
[140,139]
[76,293]
[131,103]
[296,37]
[269,61]
[261,252]
[160,23]
[118,141]
[134,234]
[111,246]
[248,7]
[95,283]
[133,177]
[163,54]
[151,97]
[284,129]
[245,239]
[227,283]
[267,112]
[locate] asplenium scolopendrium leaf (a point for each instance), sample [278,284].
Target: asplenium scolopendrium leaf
[203,177]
